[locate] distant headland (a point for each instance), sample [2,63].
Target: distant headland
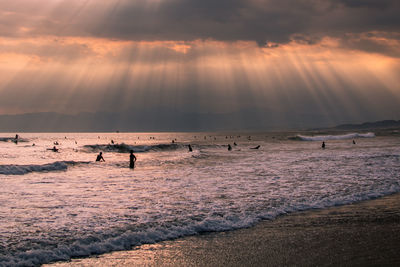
[385,124]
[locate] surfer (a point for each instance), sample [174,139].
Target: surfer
[354,142]
[54,149]
[229,147]
[257,147]
[190,148]
[100,157]
[323,145]
[132,160]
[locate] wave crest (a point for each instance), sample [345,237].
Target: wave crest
[24,169]
[332,137]
[125,148]
[12,139]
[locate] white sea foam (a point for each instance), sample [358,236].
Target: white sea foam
[334,137]
[101,243]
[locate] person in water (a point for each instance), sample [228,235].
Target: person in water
[323,144]
[354,142]
[229,147]
[132,160]
[257,147]
[190,148]
[100,157]
[54,149]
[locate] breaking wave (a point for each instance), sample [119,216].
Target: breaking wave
[126,239]
[125,148]
[332,137]
[24,169]
[12,139]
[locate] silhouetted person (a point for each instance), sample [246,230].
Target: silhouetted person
[323,145]
[16,137]
[132,160]
[257,147]
[229,147]
[190,148]
[354,142]
[100,157]
[234,143]
[112,141]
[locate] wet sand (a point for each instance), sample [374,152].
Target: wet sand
[362,234]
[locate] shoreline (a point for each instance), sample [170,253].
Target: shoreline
[363,233]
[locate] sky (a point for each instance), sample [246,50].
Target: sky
[277,63]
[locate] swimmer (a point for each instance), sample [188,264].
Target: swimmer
[100,157]
[257,147]
[229,147]
[354,142]
[54,149]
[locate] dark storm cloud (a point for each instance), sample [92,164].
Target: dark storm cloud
[227,20]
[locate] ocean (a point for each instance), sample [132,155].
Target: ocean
[59,205]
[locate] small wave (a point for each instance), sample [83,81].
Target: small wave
[12,139]
[24,169]
[125,148]
[332,137]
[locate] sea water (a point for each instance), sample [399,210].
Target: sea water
[58,205]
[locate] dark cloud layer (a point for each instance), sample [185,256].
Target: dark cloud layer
[227,20]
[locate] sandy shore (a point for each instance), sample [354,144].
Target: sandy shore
[366,233]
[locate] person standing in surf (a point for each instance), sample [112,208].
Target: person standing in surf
[132,160]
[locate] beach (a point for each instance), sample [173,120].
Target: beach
[361,234]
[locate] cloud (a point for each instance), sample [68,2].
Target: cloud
[187,20]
